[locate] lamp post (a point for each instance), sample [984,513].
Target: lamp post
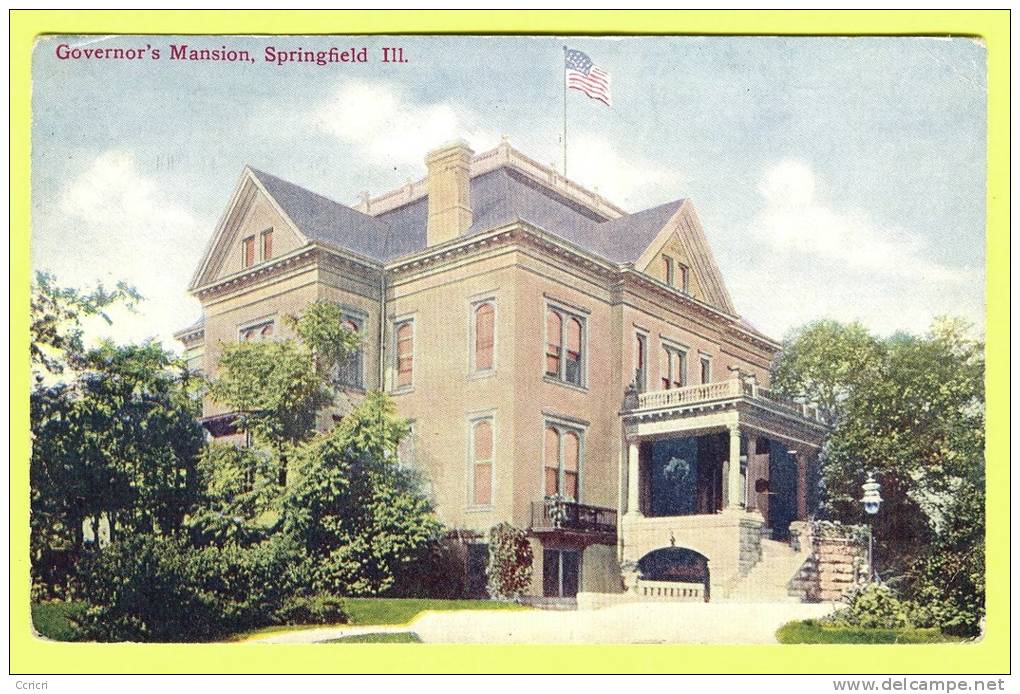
[871,500]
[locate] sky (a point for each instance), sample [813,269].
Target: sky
[835,177]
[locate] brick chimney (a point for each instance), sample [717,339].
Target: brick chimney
[449,191]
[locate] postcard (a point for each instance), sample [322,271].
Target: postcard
[508,340]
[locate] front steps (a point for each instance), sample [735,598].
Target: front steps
[776,577]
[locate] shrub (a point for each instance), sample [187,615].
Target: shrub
[510,559]
[150,588]
[314,609]
[874,606]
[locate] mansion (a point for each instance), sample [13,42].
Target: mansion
[576,370]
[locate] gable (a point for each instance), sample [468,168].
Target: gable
[251,212]
[683,239]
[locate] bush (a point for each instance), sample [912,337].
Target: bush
[150,588]
[874,606]
[315,609]
[510,559]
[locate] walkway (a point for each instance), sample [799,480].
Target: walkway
[719,622]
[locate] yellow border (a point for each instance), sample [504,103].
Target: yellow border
[991,655]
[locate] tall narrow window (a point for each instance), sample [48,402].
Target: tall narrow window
[481,463]
[485,336]
[575,335]
[640,361]
[351,370]
[554,343]
[564,351]
[267,244]
[706,370]
[674,373]
[405,353]
[667,270]
[562,464]
[685,279]
[248,251]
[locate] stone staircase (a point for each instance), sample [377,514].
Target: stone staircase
[779,576]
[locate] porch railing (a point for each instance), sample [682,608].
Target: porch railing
[570,515]
[726,390]
[671,590]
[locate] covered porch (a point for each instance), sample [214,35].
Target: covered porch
[713,469]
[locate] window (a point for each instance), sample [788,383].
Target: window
[267,244]
[248,252]
[256,332]
[562,462]
[706,369]
[685,279]
[564,352]
[351,371]
[641,361]
[405,353]
[481,462]
[667,270]
[483,317]
[674,373]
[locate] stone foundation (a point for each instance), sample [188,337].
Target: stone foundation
[838,566]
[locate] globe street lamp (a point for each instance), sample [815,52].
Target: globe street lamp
[871,501]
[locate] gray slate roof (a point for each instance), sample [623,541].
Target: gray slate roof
[498,197]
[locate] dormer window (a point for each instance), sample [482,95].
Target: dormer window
[248,252]
[267,244]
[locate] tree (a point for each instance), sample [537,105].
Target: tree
[239,496]
[120,441]
[359,517]
[56,319]
[321,328]
[915,417]
[824,360]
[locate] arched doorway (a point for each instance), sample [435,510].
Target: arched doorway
[678,564]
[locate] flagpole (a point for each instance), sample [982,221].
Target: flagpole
[564,68]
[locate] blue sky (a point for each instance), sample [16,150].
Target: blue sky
[835,177]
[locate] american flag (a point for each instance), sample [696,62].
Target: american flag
[585,76]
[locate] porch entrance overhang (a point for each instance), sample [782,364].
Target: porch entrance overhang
[746,415]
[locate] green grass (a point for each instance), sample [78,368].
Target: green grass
[810,631]
[53,619]
[398,637]
[403,610]
[378,611]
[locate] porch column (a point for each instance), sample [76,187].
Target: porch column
[731,472]
[633,481]
[750,469]
[802,457]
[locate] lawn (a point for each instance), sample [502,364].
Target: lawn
[53,619]
[390,637]
[378,611]
[810,631]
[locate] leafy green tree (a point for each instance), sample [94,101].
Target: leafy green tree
[915,417]
[239,496]
[321,328]
[57,334]
[120,441]
[824,360]
[359,517]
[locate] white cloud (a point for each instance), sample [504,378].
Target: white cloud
[806,259]
[388,129]
[113,222]
[626,180]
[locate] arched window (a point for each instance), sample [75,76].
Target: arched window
[571,464]
[572,370]
[554,343]
[562,462]
[485,336]
[266,331]
[405,354]
[481,463]
[552,461]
